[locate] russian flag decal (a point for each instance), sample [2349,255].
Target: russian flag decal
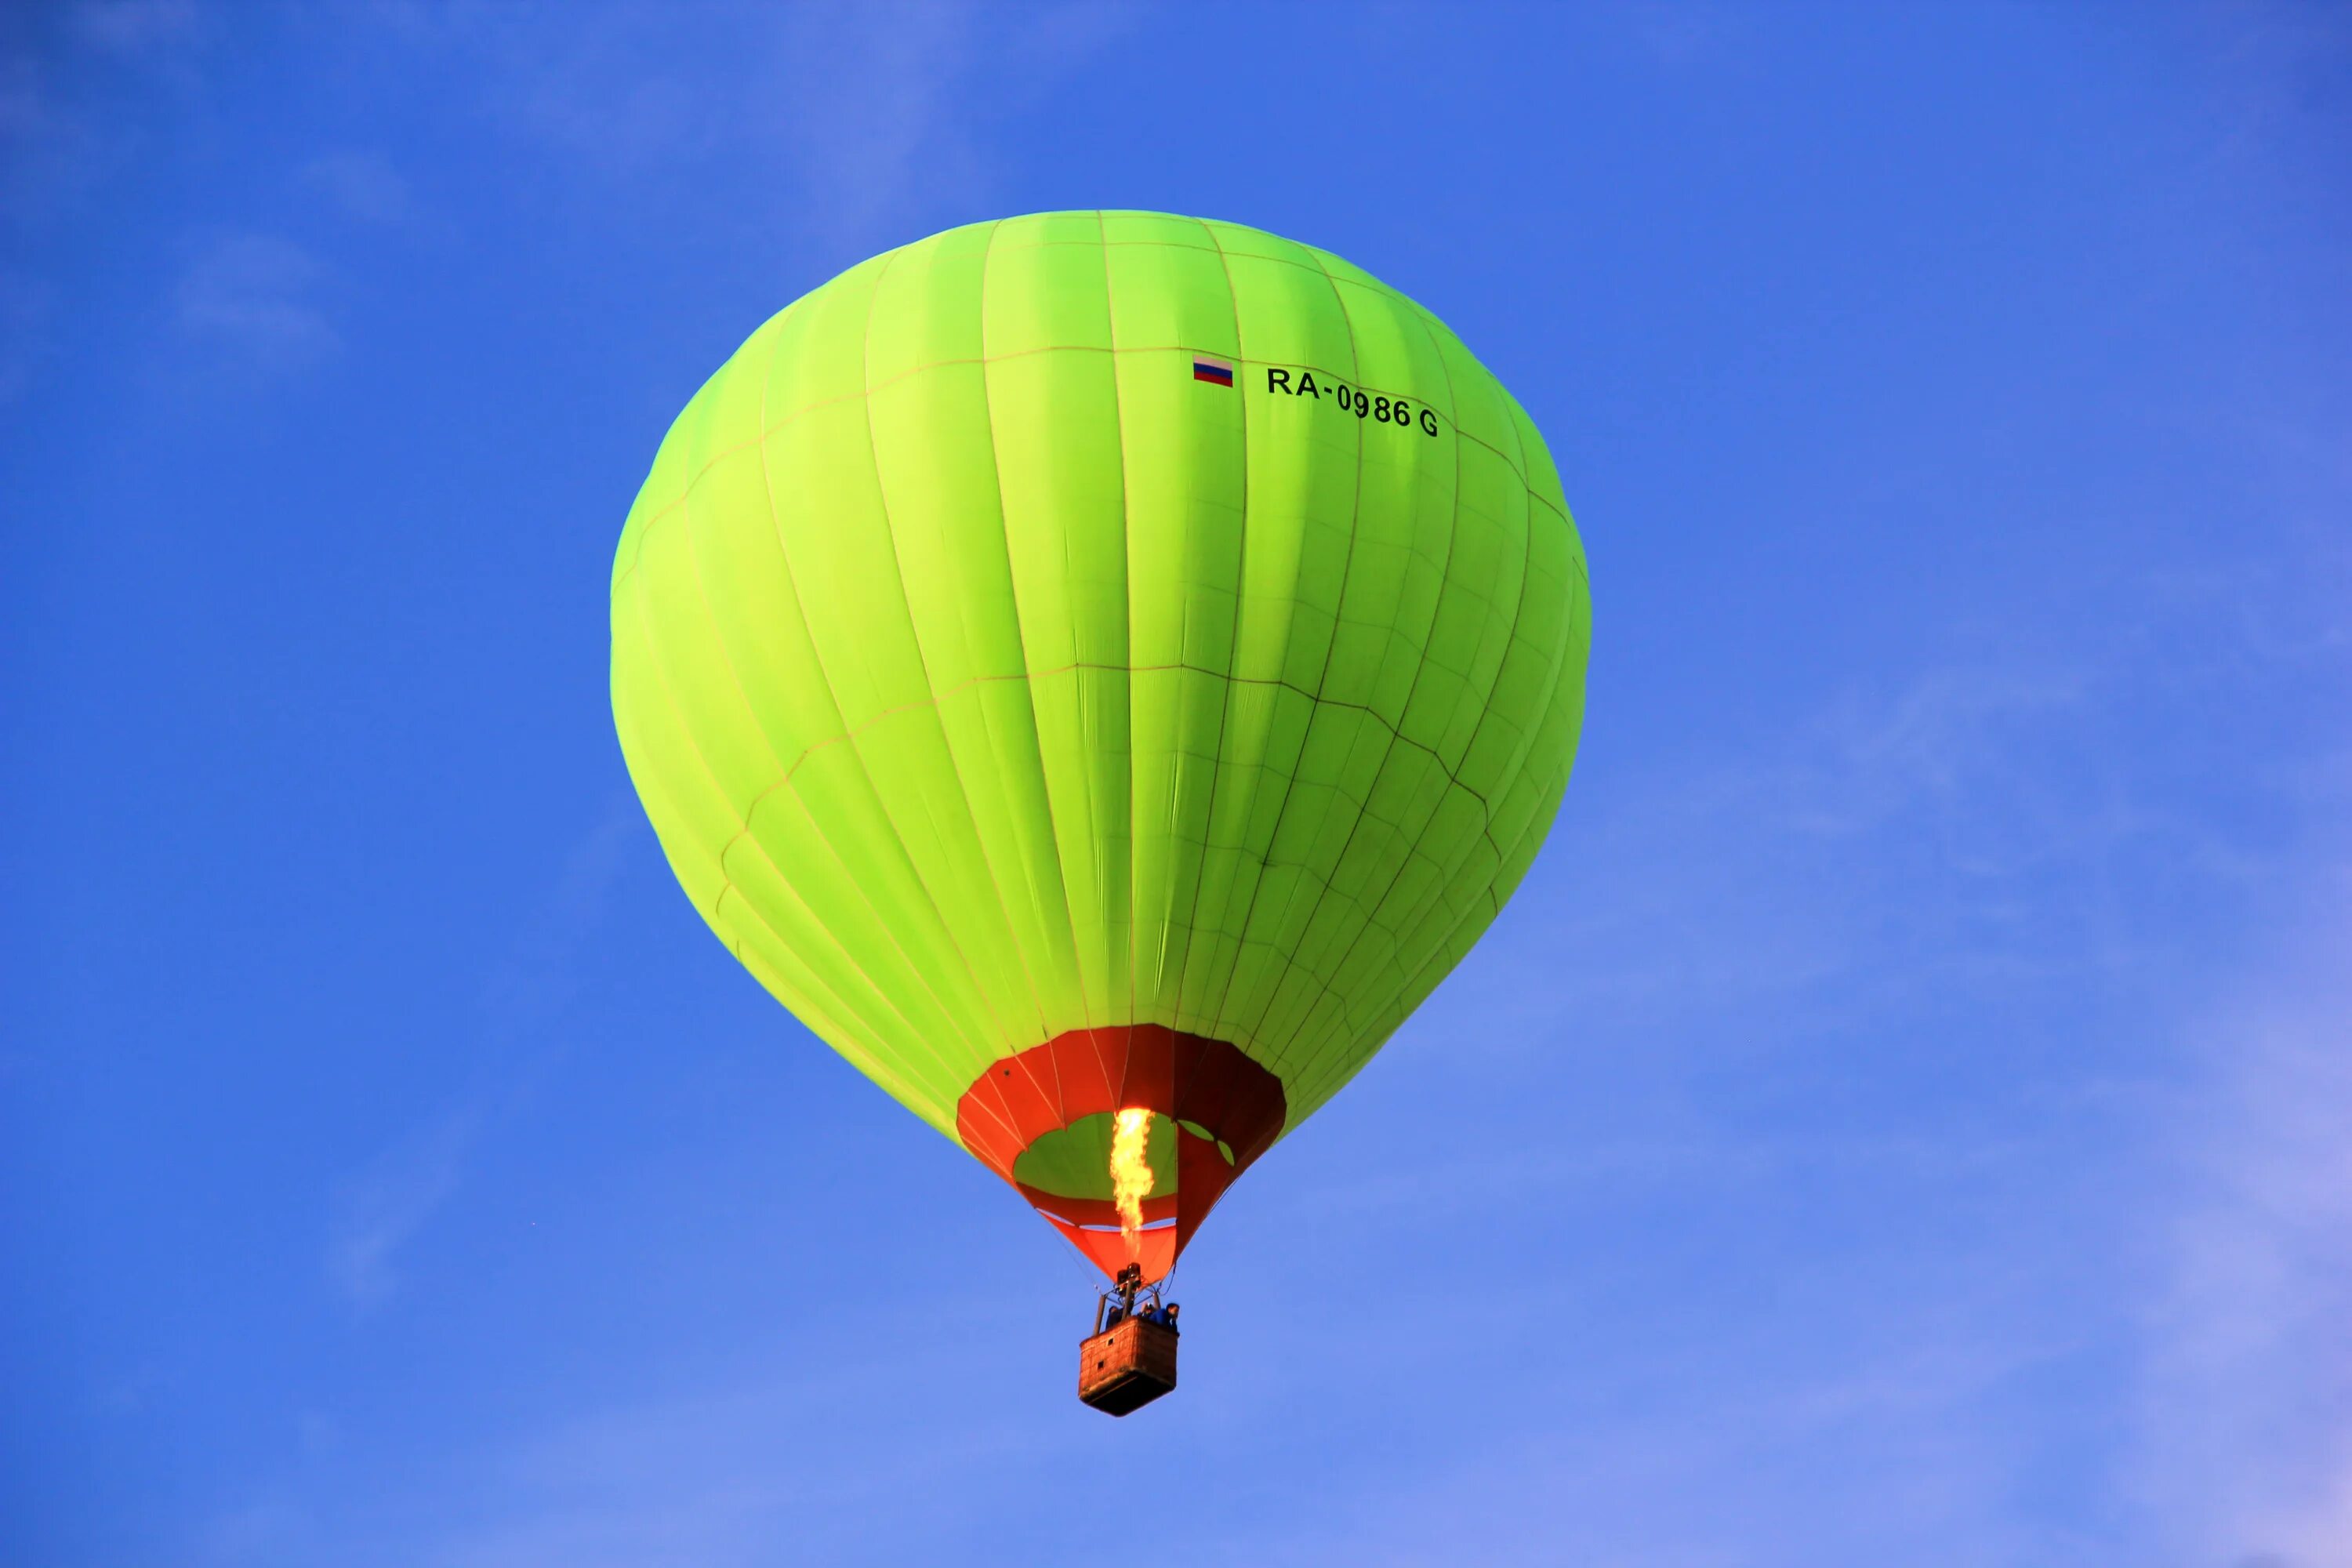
[1211,370]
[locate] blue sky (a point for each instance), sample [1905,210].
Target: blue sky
[1901,1118]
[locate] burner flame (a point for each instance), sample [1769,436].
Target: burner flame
[1130,1170]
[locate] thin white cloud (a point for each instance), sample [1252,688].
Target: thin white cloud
[2247,1383]
[1999,821]
[28,305]
[132,26]
[64,133]
[385,1207]
[361,185]
[393,1198]
[858,116]
[255,296]
[1882,847]
[692,1475]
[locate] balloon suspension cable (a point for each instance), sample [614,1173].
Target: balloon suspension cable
[1130,1297]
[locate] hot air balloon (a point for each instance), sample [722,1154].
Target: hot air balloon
[1101,670]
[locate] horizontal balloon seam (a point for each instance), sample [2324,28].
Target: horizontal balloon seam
[1238,936]
[1330,649]
[948,1011]
[1185,979]
[1518,471]
[1453,535]
[889,1006]
[1323,984]
[1035,755]
[1511,640]
[955,765]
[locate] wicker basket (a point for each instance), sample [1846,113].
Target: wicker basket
[1128,1366]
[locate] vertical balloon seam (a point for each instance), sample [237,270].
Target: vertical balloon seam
[1490,803]
[1308,877]
[1505,777]
[661,679]
[1454,529]
[1403,935]
[686,486]
[1480,904]
[990,765]
[810,986]
[1230,784]
[660,804]
[1173,940]
[1279,1028]
[1127,587]
[1194,944]
[1041,888]
[1347,1026]
[700,409]
[788,780]
[1383,1012]
[1092,747]
[1019,821]
[1163,896]
[1003,1034]
[852,966]
[1442,959]
[1242,976]
[1575,636]
[846,1042]
[1535,831]
[1449,872]
[1027,685]
[1076,755]
[1580,595]
[1275,1051]
[1535,828]
[946,1071]
[1227,953]
[1163,1007]
[1090,943]
[999,760]
[958,1076]
[1275,1048]
[1257,981]
[1286,754]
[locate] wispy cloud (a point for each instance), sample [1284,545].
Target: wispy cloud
[132,26]
[385,1207]
[361,185]
[860,113]
[2247,1383]
[389,1203]
[2021,816]
[55,125]
[49,152]
[256,297]
[27,305]
[2006,875]
[1889,840]
[68,85]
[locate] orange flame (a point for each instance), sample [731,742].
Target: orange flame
[1130,1170]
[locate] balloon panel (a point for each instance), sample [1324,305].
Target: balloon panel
[1095,620]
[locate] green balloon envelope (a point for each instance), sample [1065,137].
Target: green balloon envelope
[1101,660]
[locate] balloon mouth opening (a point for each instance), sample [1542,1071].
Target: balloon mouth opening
[1197,1112]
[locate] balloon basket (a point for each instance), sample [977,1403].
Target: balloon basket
[1131,1358]
[1129,1367]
